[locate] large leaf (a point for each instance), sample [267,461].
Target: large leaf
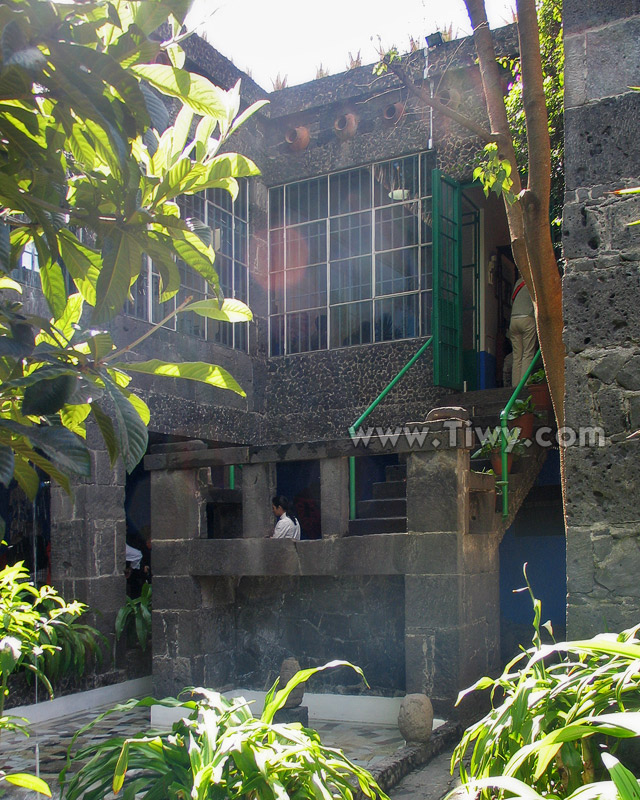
[27,478]
[6,465]
[73,417]
[275,700]
[231,310]
[121,258]
[195,90]
[188,370]
[131,430]
[48,396]
[83,263]
[26,781]
[624,779]
[108,432]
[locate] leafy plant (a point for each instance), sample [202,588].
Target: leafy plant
[550,708]
[136,611]
[92,173]
[218,750]
[40,634]
[539,376]
[522,407]
[492,442]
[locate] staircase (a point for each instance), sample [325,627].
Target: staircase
[387,511]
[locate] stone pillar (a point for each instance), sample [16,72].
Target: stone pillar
[178,515]
[334,497]
[88,533]
[452,583]
[258,487]
[602,326]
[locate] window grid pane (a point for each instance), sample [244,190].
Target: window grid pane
[352,250]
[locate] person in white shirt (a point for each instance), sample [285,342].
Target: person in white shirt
[287,526]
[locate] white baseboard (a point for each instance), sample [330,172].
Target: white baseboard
[83,701]
[327,707]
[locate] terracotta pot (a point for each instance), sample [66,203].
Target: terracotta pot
[345,126]
[298,138]
[393,113]
[496,461]
[525,423]
[540,395]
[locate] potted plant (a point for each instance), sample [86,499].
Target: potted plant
[539,390]
[490,449]
[522,416]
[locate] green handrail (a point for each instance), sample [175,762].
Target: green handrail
[362,417]
[504,419]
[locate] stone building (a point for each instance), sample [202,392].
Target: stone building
[601,291]
[362,238]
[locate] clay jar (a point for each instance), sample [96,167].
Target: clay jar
[345,126]
[393,113]
[297,139]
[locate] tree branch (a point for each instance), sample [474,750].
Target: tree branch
[421,94]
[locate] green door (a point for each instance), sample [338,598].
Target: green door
[447,282]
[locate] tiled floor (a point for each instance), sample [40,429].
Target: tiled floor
[363,744]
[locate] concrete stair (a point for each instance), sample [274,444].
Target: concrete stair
[387,512]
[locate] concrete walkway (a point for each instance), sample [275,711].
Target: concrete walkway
[431,782]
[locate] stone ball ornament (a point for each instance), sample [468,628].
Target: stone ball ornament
[415,718]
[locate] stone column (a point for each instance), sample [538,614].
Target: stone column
[258,487]
[334,497]
[178,515]
[88,533]
[602,327]
[451,587]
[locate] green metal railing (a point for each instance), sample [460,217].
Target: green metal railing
[504,420]
[362,417]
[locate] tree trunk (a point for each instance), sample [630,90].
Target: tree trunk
[528,219]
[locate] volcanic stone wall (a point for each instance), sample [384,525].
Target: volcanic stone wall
[601,300]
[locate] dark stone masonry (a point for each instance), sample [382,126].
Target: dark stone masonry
[601,295]
[410,590]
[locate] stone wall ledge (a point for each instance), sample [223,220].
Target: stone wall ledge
[380,554]
[441,436]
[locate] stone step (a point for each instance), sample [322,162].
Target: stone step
[389,489]
[395,472]
[389,507]
[366,527]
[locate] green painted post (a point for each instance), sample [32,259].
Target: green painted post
[352,487]
[232,477]
[504,420]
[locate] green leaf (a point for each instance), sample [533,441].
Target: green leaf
[48,396]
[27,478]
[6,465]
[624,780]
[273,702]
[83,263]
[189,370]
[107,430]
[100,345]
[131,431]
[26,781]
[73,417]
[249,112]
[121,259]
[231,311]
[195,90]
[8,283]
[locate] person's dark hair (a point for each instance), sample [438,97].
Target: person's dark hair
[285,505]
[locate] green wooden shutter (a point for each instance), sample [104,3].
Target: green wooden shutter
[447,282]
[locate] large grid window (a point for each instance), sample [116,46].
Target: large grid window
[229,223]
[350,257]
